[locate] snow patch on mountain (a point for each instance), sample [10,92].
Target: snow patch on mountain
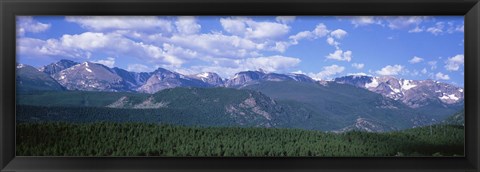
[407,84]
[449,97]
[19,66]
[203,75]
[373,84]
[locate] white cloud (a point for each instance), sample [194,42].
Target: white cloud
[101,23]
[236,26]
[301,35]
[281,46]
[358,65]
[299,72]
[432,64]
[139,68]
[321,30]
[393,22]
[31,47]
[219,45]
[248,28]
[454,63]
[187,25]
[460,28]
[415,59]
[424,71]
[86,41]
[416,30]
[28,24]
[271,63]
[228,67]
[359,74]
[340,55]
[364,20]
[285,19]
[390,70]
[442,76]
[327,72]
[109,62]
[339,33]
[332,42]
[404,21]
[437,29]
[83,45]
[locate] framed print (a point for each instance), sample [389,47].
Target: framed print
[251,85]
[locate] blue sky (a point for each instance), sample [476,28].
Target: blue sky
[322,47]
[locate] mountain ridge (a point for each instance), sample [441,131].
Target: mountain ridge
[79,76]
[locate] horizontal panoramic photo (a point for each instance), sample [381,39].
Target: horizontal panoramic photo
[240,86]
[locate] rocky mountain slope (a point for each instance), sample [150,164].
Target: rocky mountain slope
[31,79]
[413,93]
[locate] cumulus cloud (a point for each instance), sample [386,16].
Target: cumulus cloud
[109,62]
[332,42]
[327,72]
[454,63]
[117,36]
[392,22]
[404,21]
[364,20]
[248,28]
[320,31]
[437,29]
[390,70]
[83,45]
[216,44]
[415,59]
[358,65]
[101,23]
[28,24]
[187,25]
[271,63]
[285,19]
[301,35]
[339,33]
[228,67]
[441,76]
[340,55]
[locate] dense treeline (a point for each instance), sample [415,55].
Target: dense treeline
[140,139]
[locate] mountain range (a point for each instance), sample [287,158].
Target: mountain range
[90,76]
[249,98]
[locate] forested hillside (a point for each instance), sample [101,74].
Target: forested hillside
[140,139]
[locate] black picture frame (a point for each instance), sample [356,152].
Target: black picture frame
[470,9]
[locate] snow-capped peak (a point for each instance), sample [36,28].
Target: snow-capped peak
[449,97]
[407,84]
[203,75]
[20,66]
[372,84]
[87,67]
